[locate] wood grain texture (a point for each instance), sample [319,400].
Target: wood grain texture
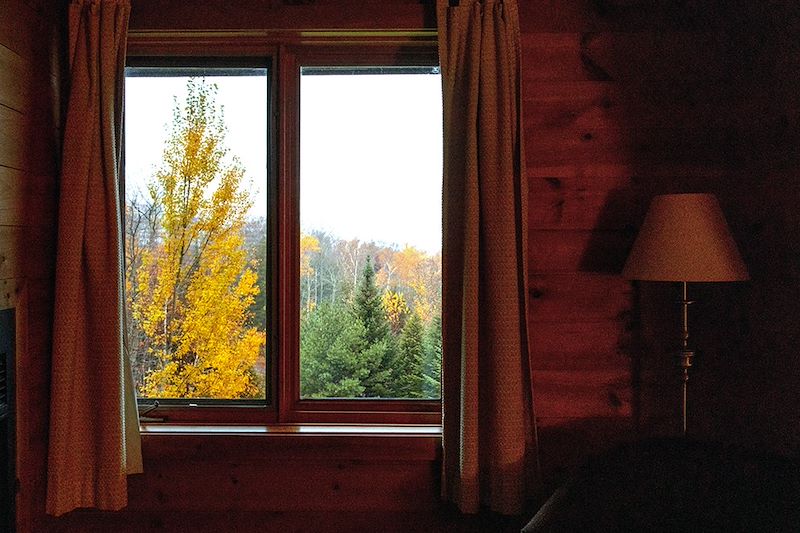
[684,104]
[624,56]
[577,346]
[29,148]
[601,252]
[19,192]
[549,16]
[571,143]
[572,296]
[579,203]
[623,100]
[582,393]
[441,519]
[26,141]
[254,14]
[284,485]
[20,28]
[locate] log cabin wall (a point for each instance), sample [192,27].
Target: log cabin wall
[624,99]
[30,62]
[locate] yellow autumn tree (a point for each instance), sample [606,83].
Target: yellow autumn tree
[195,285]
[309,245]
[396,309]
[410,270]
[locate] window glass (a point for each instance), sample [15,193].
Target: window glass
[370,236]
[195,231]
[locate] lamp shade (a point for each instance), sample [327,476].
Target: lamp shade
[685,238]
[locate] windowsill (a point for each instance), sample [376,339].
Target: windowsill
[281,430]
[300,442]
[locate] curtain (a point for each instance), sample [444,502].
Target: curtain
[488,430]
[94,433]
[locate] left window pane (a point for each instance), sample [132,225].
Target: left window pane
[196,231]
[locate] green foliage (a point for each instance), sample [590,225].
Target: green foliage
[255,235]
[346,351]
[332,343]
[367,306]
[196,283]
[409,364]
[432,364]
[349,349]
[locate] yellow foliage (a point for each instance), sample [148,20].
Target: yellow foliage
[195,288]
[309,245]
[396,309]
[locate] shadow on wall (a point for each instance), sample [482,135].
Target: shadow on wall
[711,103]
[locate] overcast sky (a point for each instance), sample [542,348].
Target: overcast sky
[371,149]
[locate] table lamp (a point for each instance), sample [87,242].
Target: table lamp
[685,238]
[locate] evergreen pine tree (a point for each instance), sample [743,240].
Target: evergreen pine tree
[331,348]
[409,362]
[379,353]
[367,306]
[432,365]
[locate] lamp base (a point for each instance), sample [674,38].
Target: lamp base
[685,357]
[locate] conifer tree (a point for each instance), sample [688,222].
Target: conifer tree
[432,364]
[331,346]
[368,308]
[409,364]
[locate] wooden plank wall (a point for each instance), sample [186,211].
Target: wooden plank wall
[29,154]
[623,99]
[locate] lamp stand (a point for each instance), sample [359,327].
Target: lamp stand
[686,354]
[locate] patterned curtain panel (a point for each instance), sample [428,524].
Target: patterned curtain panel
[94,435]
[489,437]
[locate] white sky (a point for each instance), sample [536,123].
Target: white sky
[371,149]
[149,104]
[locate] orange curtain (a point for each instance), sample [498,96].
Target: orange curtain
[94,434]
[488,431]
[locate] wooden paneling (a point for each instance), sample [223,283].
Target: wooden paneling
[623,57]
[284,485]
[686,104]
[20,28]
[582,393]
[544,16]
[19,190]
[578,251]
[623,100]
[577,346]
[256,14]
[577,296]
[29,118]
[26,252]
[628,144]
[16,86]
[579,203]
[339,521]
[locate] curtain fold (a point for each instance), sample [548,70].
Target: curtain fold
[488,430]
[94,434]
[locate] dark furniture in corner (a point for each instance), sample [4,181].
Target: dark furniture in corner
[676,485]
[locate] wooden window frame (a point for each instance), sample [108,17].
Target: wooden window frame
[284,53]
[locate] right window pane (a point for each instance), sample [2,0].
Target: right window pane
[370,232]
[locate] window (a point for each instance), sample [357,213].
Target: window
[283,233]
[370,222]
[195,231]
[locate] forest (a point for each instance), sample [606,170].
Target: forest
[196,284]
